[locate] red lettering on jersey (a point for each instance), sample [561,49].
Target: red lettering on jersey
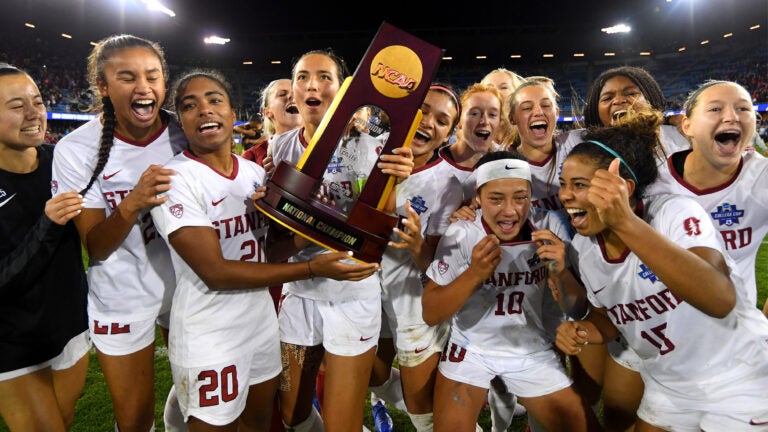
[659,303]
[743,236]
[114,198]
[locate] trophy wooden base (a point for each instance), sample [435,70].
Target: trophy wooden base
[290,201]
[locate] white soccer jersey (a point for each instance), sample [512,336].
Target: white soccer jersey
[465,175]
[136,281]
[738,209]
[210,327]
[507,314]
[681,348]
[434,193]
[337,185]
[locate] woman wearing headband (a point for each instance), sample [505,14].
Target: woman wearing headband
[656,273]
[489,278]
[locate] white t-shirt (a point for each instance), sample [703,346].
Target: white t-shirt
[136,281]
[210,327]
[507,314]
[738,209]
[681,348]
[338,185]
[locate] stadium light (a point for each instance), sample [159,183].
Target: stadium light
[247,62]
[155,5]
[66,36]
[727,35]
[216,40]
[447,58]
[516,56]
[619,28]
[275,62]
[29,25]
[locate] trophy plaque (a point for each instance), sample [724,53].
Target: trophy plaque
[335,195]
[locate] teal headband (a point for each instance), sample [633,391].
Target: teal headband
[616,155]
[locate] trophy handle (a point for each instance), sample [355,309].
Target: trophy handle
[408,140]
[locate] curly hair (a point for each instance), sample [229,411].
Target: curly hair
[642,79]
[634,139]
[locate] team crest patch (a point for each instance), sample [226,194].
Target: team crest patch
[691,226]
[442,267]
[54,187]
[727,214]
[647,273]
[418,204]
[177,210]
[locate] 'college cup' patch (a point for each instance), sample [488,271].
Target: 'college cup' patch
[54,187]
[177,210]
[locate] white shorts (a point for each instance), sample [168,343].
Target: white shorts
[217,394]
[415,341]
[622,354]
[739,404]
[344,328]
[121,338]
[535,375]
[73,351]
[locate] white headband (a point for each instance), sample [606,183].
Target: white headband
[503,168]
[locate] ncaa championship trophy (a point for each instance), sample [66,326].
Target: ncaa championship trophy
[375,111]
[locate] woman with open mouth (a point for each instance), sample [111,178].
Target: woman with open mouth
[224,344]
[722,172]
[489,279]
[611,369]
[481,111]
[115,161]
[656,272]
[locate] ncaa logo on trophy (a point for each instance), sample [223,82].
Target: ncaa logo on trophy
[376,110]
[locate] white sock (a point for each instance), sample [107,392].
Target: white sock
[502,406]
[423,422]
[172,416]
[313,423]
[391,391]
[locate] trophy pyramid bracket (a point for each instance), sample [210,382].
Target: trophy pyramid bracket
[393,76]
